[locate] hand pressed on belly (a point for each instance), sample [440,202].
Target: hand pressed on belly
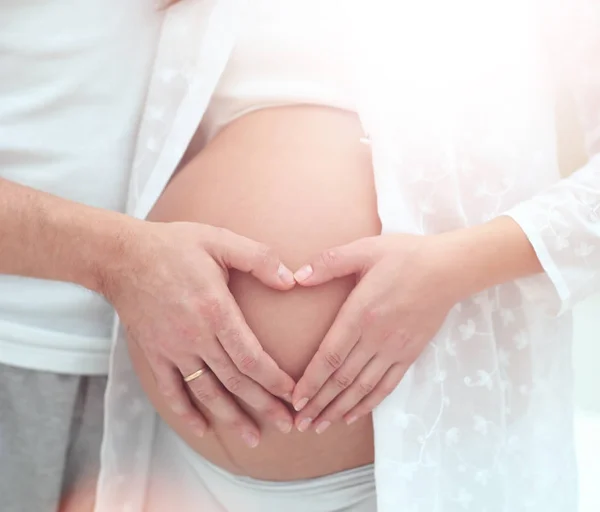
[299,180]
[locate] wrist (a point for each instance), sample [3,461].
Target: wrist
[115,254]
[488,255]
[444,265]
[47,237]
[101,245]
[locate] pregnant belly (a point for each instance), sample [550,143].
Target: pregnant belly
[298,179]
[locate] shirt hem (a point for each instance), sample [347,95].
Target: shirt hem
[55,360]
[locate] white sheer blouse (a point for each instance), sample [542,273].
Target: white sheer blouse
[458,98]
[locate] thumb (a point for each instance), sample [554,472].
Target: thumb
[260,260]
[353,258]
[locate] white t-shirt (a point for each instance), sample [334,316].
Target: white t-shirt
[73,79]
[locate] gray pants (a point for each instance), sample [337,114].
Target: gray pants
[50,436]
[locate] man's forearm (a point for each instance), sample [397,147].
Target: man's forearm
[47,237]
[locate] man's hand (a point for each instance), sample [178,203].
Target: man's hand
[172,297]
[168,282]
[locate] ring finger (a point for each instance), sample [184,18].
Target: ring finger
[385,387]
[176,396]
[363,386]
[206,390]
[270,407]
[337,383]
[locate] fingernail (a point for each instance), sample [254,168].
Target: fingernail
[303,273]
[351,420]
[304,424]
[322,427]
[250,439]
[300,404]
[284,426]
[285,274]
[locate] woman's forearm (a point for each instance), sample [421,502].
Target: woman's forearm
[47,237]
[488,255]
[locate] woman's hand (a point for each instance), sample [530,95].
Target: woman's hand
[170,291]
[405,289]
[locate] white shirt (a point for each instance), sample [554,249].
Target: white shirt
[277,61]
[74,75]
[458,98]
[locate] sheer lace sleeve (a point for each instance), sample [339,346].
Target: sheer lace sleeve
[563,222]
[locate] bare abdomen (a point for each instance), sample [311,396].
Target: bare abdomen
[298,179]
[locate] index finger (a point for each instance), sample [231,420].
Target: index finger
[337,262]
[341,338]
[247,354]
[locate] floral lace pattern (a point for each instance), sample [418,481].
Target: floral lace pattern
[483,421]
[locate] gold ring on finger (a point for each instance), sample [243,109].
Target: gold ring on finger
[196,374]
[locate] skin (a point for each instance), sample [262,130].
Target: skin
[381,329]
[347,378]
[406,286]
[299,180]
[47,237]
[144,269]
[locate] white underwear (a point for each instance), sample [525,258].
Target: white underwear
[189,482]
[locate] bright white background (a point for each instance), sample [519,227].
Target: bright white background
[586,358]
[587,396]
